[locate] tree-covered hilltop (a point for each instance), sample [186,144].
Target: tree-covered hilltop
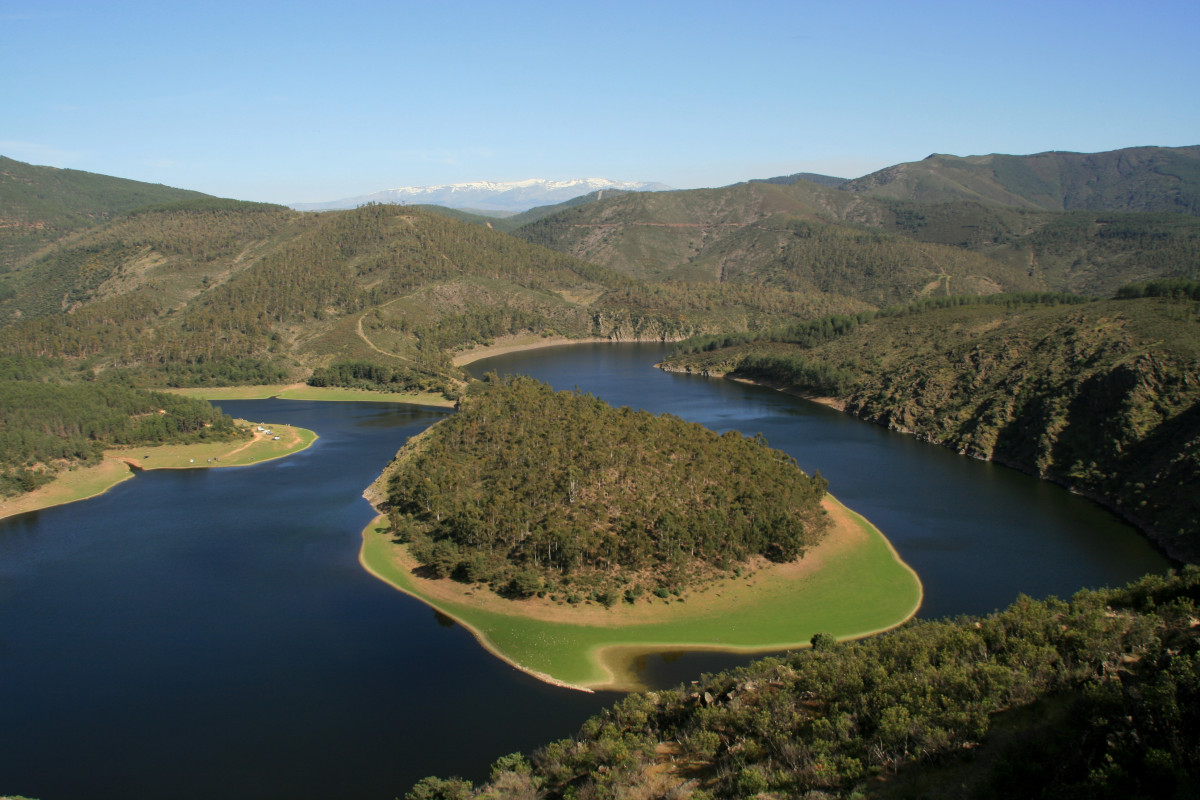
[1098,697]
[1082,224]
[40,205]
[47,426]
[1102,396]
[533,490]
[1151,179]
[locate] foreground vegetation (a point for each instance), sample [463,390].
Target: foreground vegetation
[1101,396]
[534,491]
[1096,697]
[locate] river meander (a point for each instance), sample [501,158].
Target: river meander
[211,633]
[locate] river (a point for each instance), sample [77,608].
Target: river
[211,633]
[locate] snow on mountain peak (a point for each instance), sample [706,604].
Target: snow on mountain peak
[511,196]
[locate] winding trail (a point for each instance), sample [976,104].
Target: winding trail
[363,335]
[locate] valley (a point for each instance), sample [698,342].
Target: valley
[1035,311]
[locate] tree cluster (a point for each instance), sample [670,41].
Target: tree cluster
[45,426]
[376,377]
[535,490]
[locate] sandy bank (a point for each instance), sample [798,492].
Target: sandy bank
[519,343]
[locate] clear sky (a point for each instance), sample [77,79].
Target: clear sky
[314,101]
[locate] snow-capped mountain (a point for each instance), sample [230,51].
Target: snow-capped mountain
[514,196]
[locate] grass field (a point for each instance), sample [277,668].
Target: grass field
[300,391]
[852,585]
[85,482]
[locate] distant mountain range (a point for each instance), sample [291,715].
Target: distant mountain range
[510,197]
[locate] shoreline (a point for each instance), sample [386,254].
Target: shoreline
[1161,543]
[481,637]
[119,465]
[828,402]
[519,344]
[609,659]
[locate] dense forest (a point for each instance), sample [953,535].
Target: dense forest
[532,490]
[1101,396]
[371,376]
[48,426]
[1096,697]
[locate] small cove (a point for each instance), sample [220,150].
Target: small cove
[199,633]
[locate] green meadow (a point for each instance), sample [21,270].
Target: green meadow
[858,589]
[304,392]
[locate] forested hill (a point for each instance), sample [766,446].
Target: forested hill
[47,426]
[1102,396]
[529,489]
[40,205]
[880,249]
[1096,698]
[1152,179]
[214,291]
[761,234]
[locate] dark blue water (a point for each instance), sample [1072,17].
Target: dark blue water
[210,633]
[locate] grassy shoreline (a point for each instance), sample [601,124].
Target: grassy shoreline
[119,465]
[302,391]
[853,585]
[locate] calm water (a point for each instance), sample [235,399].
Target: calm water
[210,633]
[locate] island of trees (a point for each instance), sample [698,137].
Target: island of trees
[534,491]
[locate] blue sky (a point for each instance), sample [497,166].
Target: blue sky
[308,101]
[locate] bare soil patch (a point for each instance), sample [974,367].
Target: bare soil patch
[518,343]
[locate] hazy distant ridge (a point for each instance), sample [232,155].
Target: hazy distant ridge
[514,196]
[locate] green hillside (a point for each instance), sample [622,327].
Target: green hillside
[41,205]
[801,237]
[1101,396]
[1153,179]
[890,248]
[1084,252]
[213,291]
[47,426]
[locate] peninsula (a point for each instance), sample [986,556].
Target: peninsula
[621,533]
[120,464]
